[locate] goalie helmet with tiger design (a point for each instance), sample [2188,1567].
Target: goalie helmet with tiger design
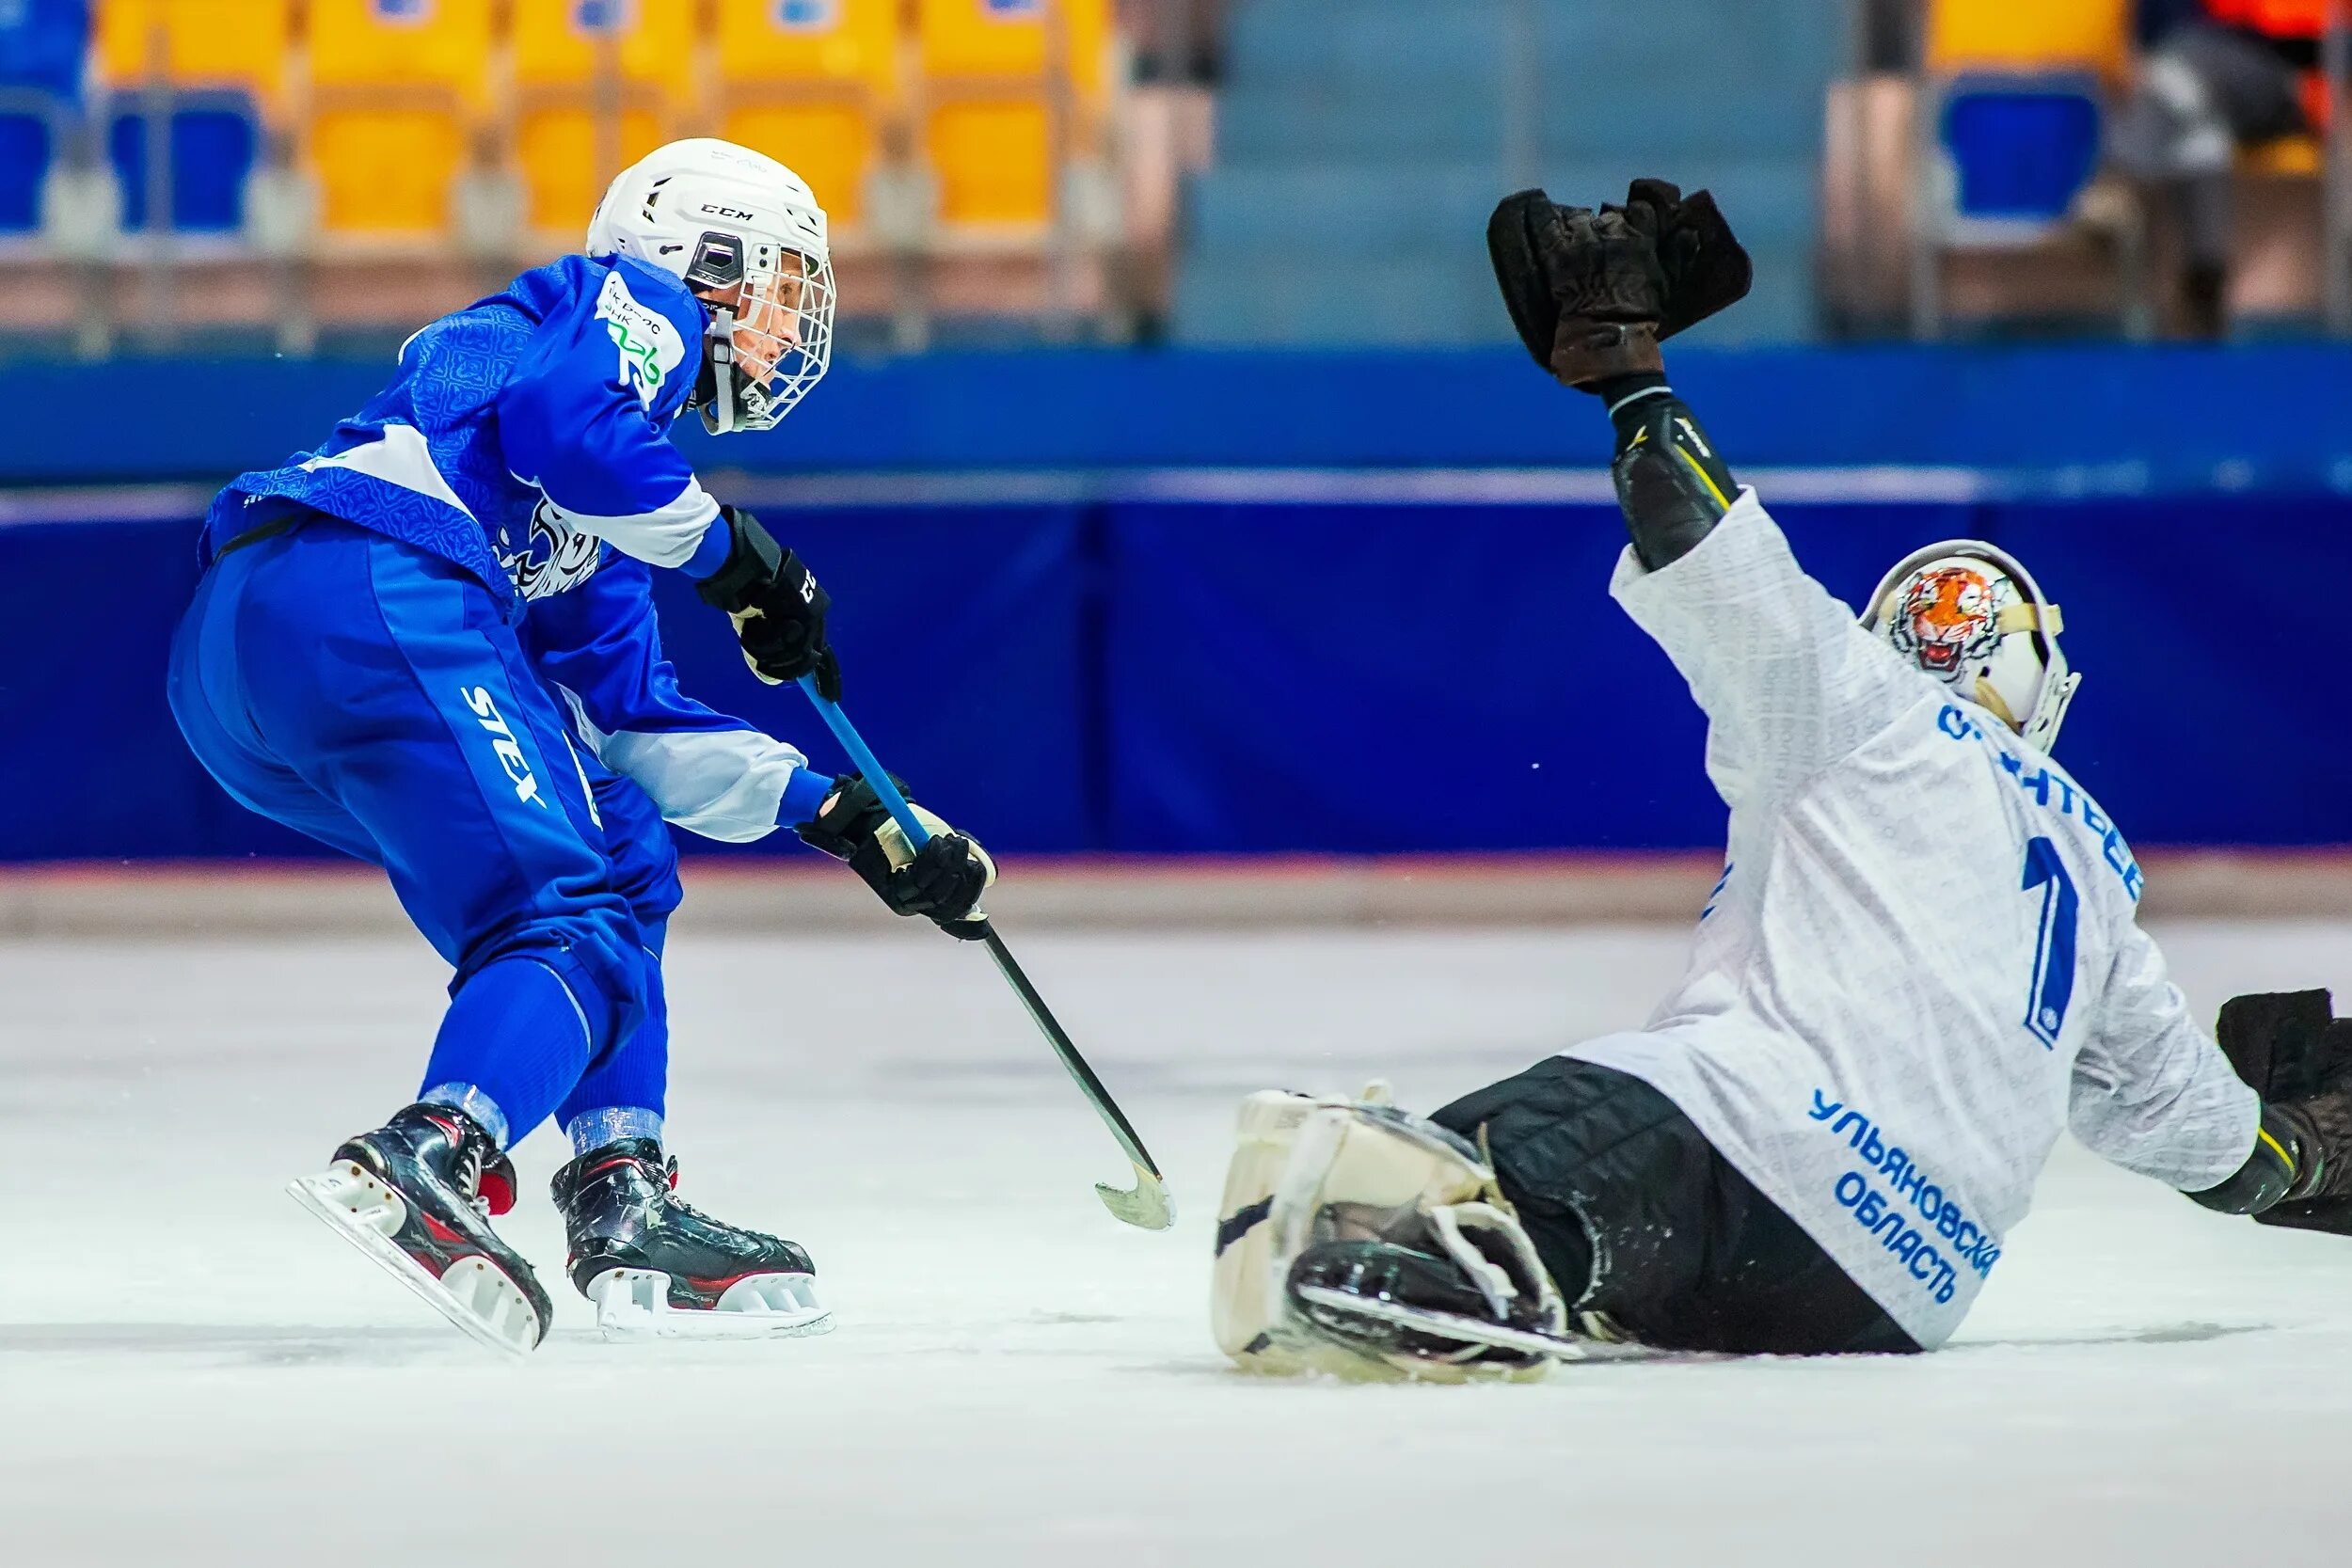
[1970,615]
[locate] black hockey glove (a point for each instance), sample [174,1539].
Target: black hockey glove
[944,880]
[1706,268]
[2297,1056]
[778,610]
[1592,295]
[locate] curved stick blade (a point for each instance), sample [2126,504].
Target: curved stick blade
[1148,1208]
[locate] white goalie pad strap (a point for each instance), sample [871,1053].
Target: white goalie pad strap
[1494,1281]
[2046,619]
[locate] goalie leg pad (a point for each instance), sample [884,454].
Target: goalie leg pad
[1359,1242]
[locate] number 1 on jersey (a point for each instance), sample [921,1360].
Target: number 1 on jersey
[2054,940]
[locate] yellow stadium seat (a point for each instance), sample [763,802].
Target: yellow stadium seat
[410,47]
[386,171]
[1011,39]
[846,43]
[813,84]
[988,73]
[2029,35]
[655,47]
[994,163]
[563,161]
[557,64]
[831,146]
[199,44]
[398,89]
[2288,158]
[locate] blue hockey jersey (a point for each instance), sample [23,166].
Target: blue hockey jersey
[526,440]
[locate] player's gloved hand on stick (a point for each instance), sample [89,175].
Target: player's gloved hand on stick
[944,880]
[1593,293]
[777,608]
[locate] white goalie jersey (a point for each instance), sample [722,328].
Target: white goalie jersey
[1922,962]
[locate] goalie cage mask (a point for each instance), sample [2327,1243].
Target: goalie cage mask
[1969,615]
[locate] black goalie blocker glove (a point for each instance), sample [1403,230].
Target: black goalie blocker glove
[2297,1056]
[1593,293]
[778,610]
[944,880]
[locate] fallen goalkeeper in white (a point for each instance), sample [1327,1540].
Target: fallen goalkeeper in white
[1922,964]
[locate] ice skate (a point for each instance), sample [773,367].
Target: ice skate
[416,1195]
[656,1266]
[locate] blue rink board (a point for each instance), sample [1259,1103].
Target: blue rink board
[1181,677]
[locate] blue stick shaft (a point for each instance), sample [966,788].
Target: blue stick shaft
[868,766]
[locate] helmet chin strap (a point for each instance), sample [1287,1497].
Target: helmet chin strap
[718,411]
[1989,699]
[2047,620]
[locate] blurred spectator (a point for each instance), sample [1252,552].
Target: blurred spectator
[1890,37]
[2219,77]
[1176,40]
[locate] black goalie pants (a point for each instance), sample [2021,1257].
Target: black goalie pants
[1631,1206]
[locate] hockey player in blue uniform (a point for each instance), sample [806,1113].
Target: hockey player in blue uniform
[431,643]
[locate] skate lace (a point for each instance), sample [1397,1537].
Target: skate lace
[667,1180]
[469,1175]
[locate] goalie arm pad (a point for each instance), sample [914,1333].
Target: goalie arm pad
[2272,1171]
[1672,485]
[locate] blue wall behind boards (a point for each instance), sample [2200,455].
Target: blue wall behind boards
[1161,676]
[2145,419]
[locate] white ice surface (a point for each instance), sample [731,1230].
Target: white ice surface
[194,1371]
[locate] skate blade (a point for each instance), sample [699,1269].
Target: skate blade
[634,1303]
[474,1294]
[1470,1331]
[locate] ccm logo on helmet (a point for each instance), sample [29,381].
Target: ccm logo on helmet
[735,212]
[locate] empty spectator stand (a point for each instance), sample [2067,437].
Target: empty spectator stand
[287,166]
[1361,147]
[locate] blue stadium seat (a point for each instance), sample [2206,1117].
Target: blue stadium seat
[28,141]
[214,138]
[42,43]
[2023,148]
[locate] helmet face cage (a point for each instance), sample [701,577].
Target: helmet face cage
[771,340]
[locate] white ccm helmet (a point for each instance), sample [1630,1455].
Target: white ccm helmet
[746,232]
[1972,616]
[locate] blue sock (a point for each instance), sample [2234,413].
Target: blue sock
[624,1094]
[514,1034]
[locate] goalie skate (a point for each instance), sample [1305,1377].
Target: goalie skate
[411,1196]
[1359,1242]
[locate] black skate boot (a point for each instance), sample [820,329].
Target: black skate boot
[653,1264]
[415,1195]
